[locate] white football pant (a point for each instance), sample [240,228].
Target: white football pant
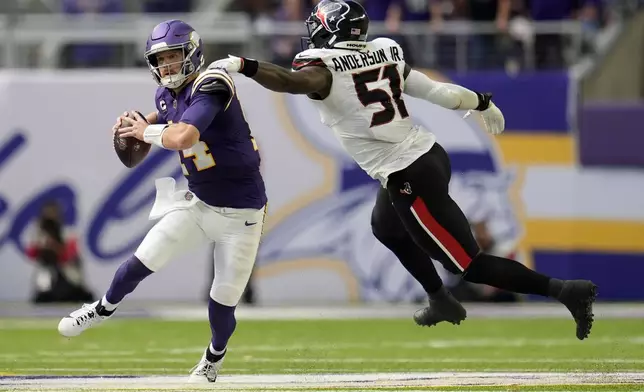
[236,233]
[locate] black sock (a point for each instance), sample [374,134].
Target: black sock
[212,357]
[509,275]
[100,309]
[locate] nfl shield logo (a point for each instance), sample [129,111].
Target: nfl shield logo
[355,31]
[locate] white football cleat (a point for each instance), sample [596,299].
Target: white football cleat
[79,320]
[206,371]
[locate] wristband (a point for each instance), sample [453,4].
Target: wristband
[248,67]
[153,134]
[484,101]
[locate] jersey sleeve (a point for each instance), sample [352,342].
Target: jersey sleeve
[203,109]
[308,58]
[214,81]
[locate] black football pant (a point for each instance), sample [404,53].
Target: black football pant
[417,219]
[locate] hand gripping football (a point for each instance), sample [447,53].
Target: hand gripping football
[130,151]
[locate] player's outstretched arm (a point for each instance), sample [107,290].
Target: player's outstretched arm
[455,97]
[308,80]
[447,95]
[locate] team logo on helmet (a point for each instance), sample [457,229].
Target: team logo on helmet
[331,14]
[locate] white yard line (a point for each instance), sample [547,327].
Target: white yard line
[364,382]
[25,371]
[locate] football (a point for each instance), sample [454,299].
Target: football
[130,151]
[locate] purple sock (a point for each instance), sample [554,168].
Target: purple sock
[222,323]
[126,278]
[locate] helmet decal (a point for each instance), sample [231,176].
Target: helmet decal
[328,16]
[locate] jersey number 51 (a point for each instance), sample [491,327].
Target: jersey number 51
[377,95]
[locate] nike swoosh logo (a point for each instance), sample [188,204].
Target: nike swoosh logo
[250,224]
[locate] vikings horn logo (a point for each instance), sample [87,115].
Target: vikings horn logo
[327,14]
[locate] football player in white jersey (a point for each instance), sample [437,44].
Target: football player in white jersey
[357,86]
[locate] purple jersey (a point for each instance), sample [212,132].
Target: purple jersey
[222,169]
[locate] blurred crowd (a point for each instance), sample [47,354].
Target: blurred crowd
[510,38]
[99,55]
[512,34]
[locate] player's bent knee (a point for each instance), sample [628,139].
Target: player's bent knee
[156,250]
[229,285]
[227,294]
[449,265]
[384,233]
[155,253]
[153,264]
[165,239]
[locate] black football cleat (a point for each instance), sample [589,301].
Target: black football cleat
[443,309]
[578,296]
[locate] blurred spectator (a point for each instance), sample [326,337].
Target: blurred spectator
[484,50]
[91,54]
[285,48]
[418,48]
[58,274]
[594,16]
[549,48]
[378,10]
[254,8]
[389,12]
[167,6]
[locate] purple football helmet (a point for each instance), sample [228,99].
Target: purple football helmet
[170,35]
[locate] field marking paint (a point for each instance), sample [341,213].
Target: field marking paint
[377,381]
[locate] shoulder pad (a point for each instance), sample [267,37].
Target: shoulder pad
[311,57]
[214,80]
[383,42]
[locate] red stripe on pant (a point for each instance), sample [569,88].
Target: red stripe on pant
[454,250]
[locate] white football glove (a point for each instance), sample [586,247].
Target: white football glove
[492,119]
[232,64]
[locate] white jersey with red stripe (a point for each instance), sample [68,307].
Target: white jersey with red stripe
[365,107]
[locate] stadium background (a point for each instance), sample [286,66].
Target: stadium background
[560,188]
